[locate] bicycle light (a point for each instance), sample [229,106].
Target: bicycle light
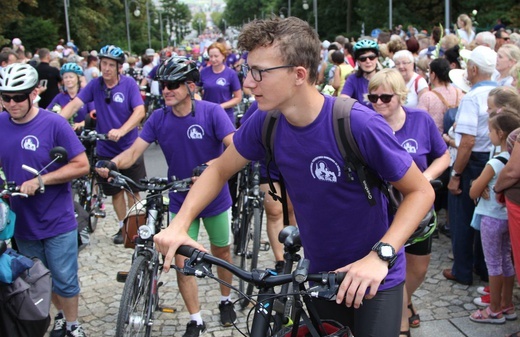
[145,232]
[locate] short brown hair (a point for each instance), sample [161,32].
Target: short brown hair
[296,41]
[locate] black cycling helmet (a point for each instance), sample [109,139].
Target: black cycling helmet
[362,46]
[112,52]
[178,69]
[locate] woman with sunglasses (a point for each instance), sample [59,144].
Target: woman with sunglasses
[70,73]
[416,85]
[418,134]
[366,53]
[219,83]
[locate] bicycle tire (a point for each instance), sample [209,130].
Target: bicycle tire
[136,305]
[236,226]
[251,252]
[92,200]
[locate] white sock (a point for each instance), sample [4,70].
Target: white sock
[121,224]
[225,298]
[70,324]
[197,318]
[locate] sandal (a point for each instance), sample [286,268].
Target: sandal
[514,334]
[492,317]
[405,333]
[510,313]
[414,319]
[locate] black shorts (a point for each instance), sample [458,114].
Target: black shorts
[420,248]
[135,172]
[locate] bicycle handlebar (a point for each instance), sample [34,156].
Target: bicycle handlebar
[326,283]
[155,184]
[92,136]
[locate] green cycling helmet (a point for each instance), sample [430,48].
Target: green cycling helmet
[362,46]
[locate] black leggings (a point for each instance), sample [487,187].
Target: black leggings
[378,317]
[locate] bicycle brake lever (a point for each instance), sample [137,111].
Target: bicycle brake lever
[200,270]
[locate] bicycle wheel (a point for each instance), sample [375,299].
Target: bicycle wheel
[249,260]
[94,205]
[137,303]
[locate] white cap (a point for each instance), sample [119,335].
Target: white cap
[325,44]
[94,53]
[60,47]
[459,78]
[149,52]
[17,41]
[484,57]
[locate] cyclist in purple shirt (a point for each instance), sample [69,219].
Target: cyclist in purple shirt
[219,83]
[339,228]
[46,227]
[119,110]
[190,133]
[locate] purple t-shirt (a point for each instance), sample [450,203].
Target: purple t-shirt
[52,213]
[356,87]
[190,141]
[124,98]
[219,88]
[337,224]
[420,137]
[63,98]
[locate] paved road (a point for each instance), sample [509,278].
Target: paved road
[444,306]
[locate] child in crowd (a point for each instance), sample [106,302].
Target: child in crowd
[491,218]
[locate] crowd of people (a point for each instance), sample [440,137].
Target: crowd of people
[438,106]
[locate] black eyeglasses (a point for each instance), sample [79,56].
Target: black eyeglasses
[17,98]
[367,57]
[108,95]
[257,73]
[171,85]
[385,98]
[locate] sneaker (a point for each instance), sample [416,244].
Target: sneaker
[60,326]
[118,237]
[483,290]
[228,316]
[76,331]
[482,301]
[194,330]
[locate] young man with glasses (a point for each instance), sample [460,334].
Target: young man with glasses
[119,110]
[339,227]
[46,227]
[190,133]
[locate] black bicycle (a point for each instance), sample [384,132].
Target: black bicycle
[305,319]
[247,223]
[87,192]
[140,298]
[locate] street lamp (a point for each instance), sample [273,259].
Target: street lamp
[160,21]
[137,12]
[66,5]
[148,22]
[314,9]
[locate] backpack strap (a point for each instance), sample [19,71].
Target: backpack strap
[348,147]
[268,133]
[416,83]
[502,159]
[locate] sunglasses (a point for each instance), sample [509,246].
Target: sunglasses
[171,85]
[17,98]
[369,57]
[108,95]
[385,98]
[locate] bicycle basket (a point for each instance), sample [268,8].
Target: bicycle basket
[332,329]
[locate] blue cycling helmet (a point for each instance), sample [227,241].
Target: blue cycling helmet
[112,52]
[362,46]
[71,68]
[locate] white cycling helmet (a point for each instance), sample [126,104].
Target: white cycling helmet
[18,77]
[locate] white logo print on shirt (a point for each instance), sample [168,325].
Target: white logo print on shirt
[195,132]
[325,169]
[118,97]
[410,145]
[221,81]
[30,143]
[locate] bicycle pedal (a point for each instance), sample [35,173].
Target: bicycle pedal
[265,246]
[168,310]
[100,214]
[121,276]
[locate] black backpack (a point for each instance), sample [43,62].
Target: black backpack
[354,161]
